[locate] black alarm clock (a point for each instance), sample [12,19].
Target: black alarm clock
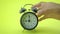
[29,20]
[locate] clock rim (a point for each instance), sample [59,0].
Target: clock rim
[22,24]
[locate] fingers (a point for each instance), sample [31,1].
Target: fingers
[37,5]
[40,12]
[39,8]
[40,15]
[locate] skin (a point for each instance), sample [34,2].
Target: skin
[48,9]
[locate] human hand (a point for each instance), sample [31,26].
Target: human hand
[48,9]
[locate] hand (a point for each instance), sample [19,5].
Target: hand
[48,9]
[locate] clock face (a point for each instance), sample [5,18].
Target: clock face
[29,20]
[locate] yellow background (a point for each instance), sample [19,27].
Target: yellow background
[10,18]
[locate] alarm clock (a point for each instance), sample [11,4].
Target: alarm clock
[29,20]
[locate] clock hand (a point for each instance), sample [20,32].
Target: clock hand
[29,19]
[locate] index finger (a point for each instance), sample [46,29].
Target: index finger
[36,5]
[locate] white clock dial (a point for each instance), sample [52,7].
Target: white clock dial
[29,20]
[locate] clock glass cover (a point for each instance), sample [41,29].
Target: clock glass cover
[29,20]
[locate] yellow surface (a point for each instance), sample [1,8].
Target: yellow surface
[10,18]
